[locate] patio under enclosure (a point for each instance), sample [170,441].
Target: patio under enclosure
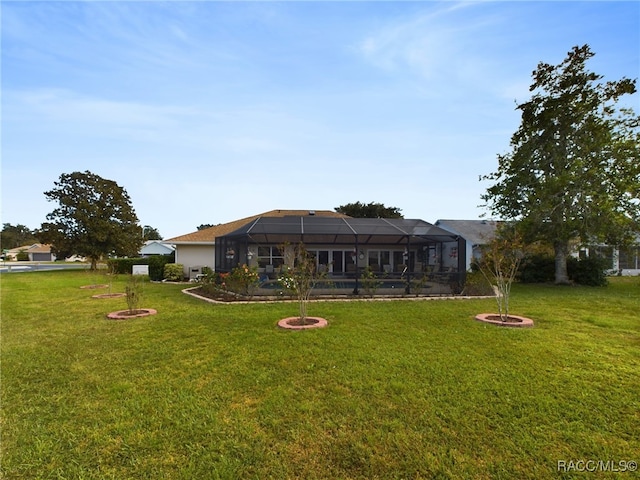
[402,255]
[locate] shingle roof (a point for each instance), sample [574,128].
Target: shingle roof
[476,232]
[208,235]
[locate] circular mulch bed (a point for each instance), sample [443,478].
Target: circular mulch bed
[512,320]
[126,314]
[109,295]
[93,287]
[294,323]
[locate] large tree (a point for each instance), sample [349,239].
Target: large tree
[573,173]
[94,218]
[369,210]
[13,236]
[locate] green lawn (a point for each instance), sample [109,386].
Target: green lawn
[399,389]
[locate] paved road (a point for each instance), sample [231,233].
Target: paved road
[20,267]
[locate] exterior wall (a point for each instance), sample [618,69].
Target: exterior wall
[195,256]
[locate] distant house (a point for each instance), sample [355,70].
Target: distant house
[156,247]
[476,233]
[36,253]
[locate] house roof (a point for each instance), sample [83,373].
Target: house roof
[208,235]
[345,230]
[35,248]
[476,232]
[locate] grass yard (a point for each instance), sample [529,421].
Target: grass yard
[390,390]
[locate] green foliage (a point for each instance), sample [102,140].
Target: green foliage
[150,233]
[574,168]
[156,265]
[395,389]
[125,265]
[134,291]
[243,280]
[370,281]
[476,284]
[537,268]
[590,271]
[369,210]
[174,272]
[499,263]
[94,218]
[22,256]
[13,236]
[300,275]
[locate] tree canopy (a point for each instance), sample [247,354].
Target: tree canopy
[573,172]
[150,233]
[94,218]
[13,236]
[369,210]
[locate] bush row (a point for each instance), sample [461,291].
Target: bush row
[156,265]
[590,271]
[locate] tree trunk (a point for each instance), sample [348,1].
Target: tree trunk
[562,251]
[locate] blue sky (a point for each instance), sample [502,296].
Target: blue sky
[206,112]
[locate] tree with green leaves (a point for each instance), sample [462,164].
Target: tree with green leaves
[150,233]
[13,236]
[94,218]
[369,210]
[573,173]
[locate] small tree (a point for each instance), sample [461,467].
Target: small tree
[134,291]
[300,275]
[500,262]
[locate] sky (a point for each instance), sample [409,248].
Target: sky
[206,112]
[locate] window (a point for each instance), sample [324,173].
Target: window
[270,256]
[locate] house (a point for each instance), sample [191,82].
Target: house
[197,249]
[36,253]
[476,233]
[156,247]
[397,251]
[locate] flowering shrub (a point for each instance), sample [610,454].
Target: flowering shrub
[242,279]
[300,277]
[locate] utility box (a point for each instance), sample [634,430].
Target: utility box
[140,270]
[194,272]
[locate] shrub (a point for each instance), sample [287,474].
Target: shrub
[125,265]
[243,280]
[477,284]
[22,256]
[537,269]
[174,272]
[591,271]
[156,265]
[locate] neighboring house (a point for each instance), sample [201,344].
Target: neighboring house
[476,233]
[36,253]
[198,249]
[624,260]
[156,247]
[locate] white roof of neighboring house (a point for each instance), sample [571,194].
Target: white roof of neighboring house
[156,247]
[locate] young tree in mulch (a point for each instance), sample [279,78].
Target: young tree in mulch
[499,264]
[299,277]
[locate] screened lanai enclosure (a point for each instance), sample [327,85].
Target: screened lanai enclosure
[400,255]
